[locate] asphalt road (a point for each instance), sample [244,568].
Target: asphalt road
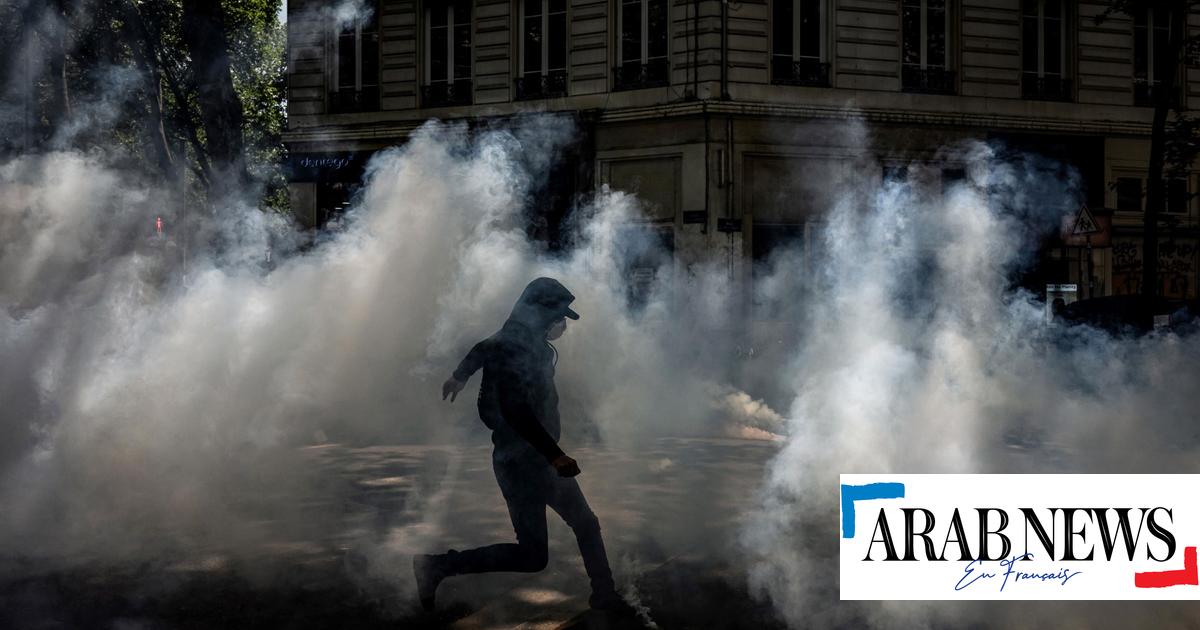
[669,509]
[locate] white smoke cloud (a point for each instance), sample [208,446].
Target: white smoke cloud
[346,12]
[156,408]
[343,14]
[921,356]
[146,399]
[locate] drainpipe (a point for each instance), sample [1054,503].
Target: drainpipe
[729,179]
[725,50]
[708,211]
[696,49]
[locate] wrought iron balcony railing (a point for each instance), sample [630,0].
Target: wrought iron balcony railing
[445,93]
[1145,93]
[789,71]
[636,75]
[550,85]
[1045,88]
[927,80]
[348,101]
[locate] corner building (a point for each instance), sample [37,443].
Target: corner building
[710,111]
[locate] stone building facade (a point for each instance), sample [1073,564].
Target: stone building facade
[713,111]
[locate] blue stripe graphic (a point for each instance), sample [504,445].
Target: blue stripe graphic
[850,494]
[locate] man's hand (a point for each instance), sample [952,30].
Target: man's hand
[565,466]
[451,388]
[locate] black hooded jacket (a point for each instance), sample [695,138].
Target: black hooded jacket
[517,399]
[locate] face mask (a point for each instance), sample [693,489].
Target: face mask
[557,329]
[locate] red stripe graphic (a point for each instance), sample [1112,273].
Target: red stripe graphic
[1162,579]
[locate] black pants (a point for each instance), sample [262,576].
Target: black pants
[528,487]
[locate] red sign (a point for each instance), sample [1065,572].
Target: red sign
[1086,227]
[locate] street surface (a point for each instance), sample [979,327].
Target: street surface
[669,509]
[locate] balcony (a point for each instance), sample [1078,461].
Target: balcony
[927,80]
[1145,93]
[808,72]
[635,75]
[350,101]
[446,93]
[553,84]
[1045,88]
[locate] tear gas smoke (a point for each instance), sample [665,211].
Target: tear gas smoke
[341,14]
[921,355]
[155,403]
[149,400]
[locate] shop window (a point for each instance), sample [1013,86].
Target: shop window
[777,254]
[646,255]
[655,181]
[333,200]
[952,177]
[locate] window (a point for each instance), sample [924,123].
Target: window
[543,49]
[447,54]
[657,181]
[1151,57]
[642,52]
[356,64]
[1177,195]
[779,272]
[797,43]
[1129,194]
[924,65]
[894,175]
[333,199]
[1044,50]
[647,254]
[952,177]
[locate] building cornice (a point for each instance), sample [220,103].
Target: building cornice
[394,130]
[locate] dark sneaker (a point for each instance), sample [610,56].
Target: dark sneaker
[613,604]
[429,574]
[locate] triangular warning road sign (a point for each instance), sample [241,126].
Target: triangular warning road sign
[1085,223]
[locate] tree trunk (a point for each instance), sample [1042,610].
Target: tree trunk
[204,35]
[184,123]
[59,106]
[158,148]
[1154,197]
[1164,96]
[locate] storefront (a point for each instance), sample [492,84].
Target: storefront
[322,185]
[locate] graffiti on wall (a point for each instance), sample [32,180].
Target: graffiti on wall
[1176,267]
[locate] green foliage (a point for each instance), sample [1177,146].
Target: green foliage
[122,58]
[1182,144]
[257,49]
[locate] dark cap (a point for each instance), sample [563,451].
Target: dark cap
[551,295]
